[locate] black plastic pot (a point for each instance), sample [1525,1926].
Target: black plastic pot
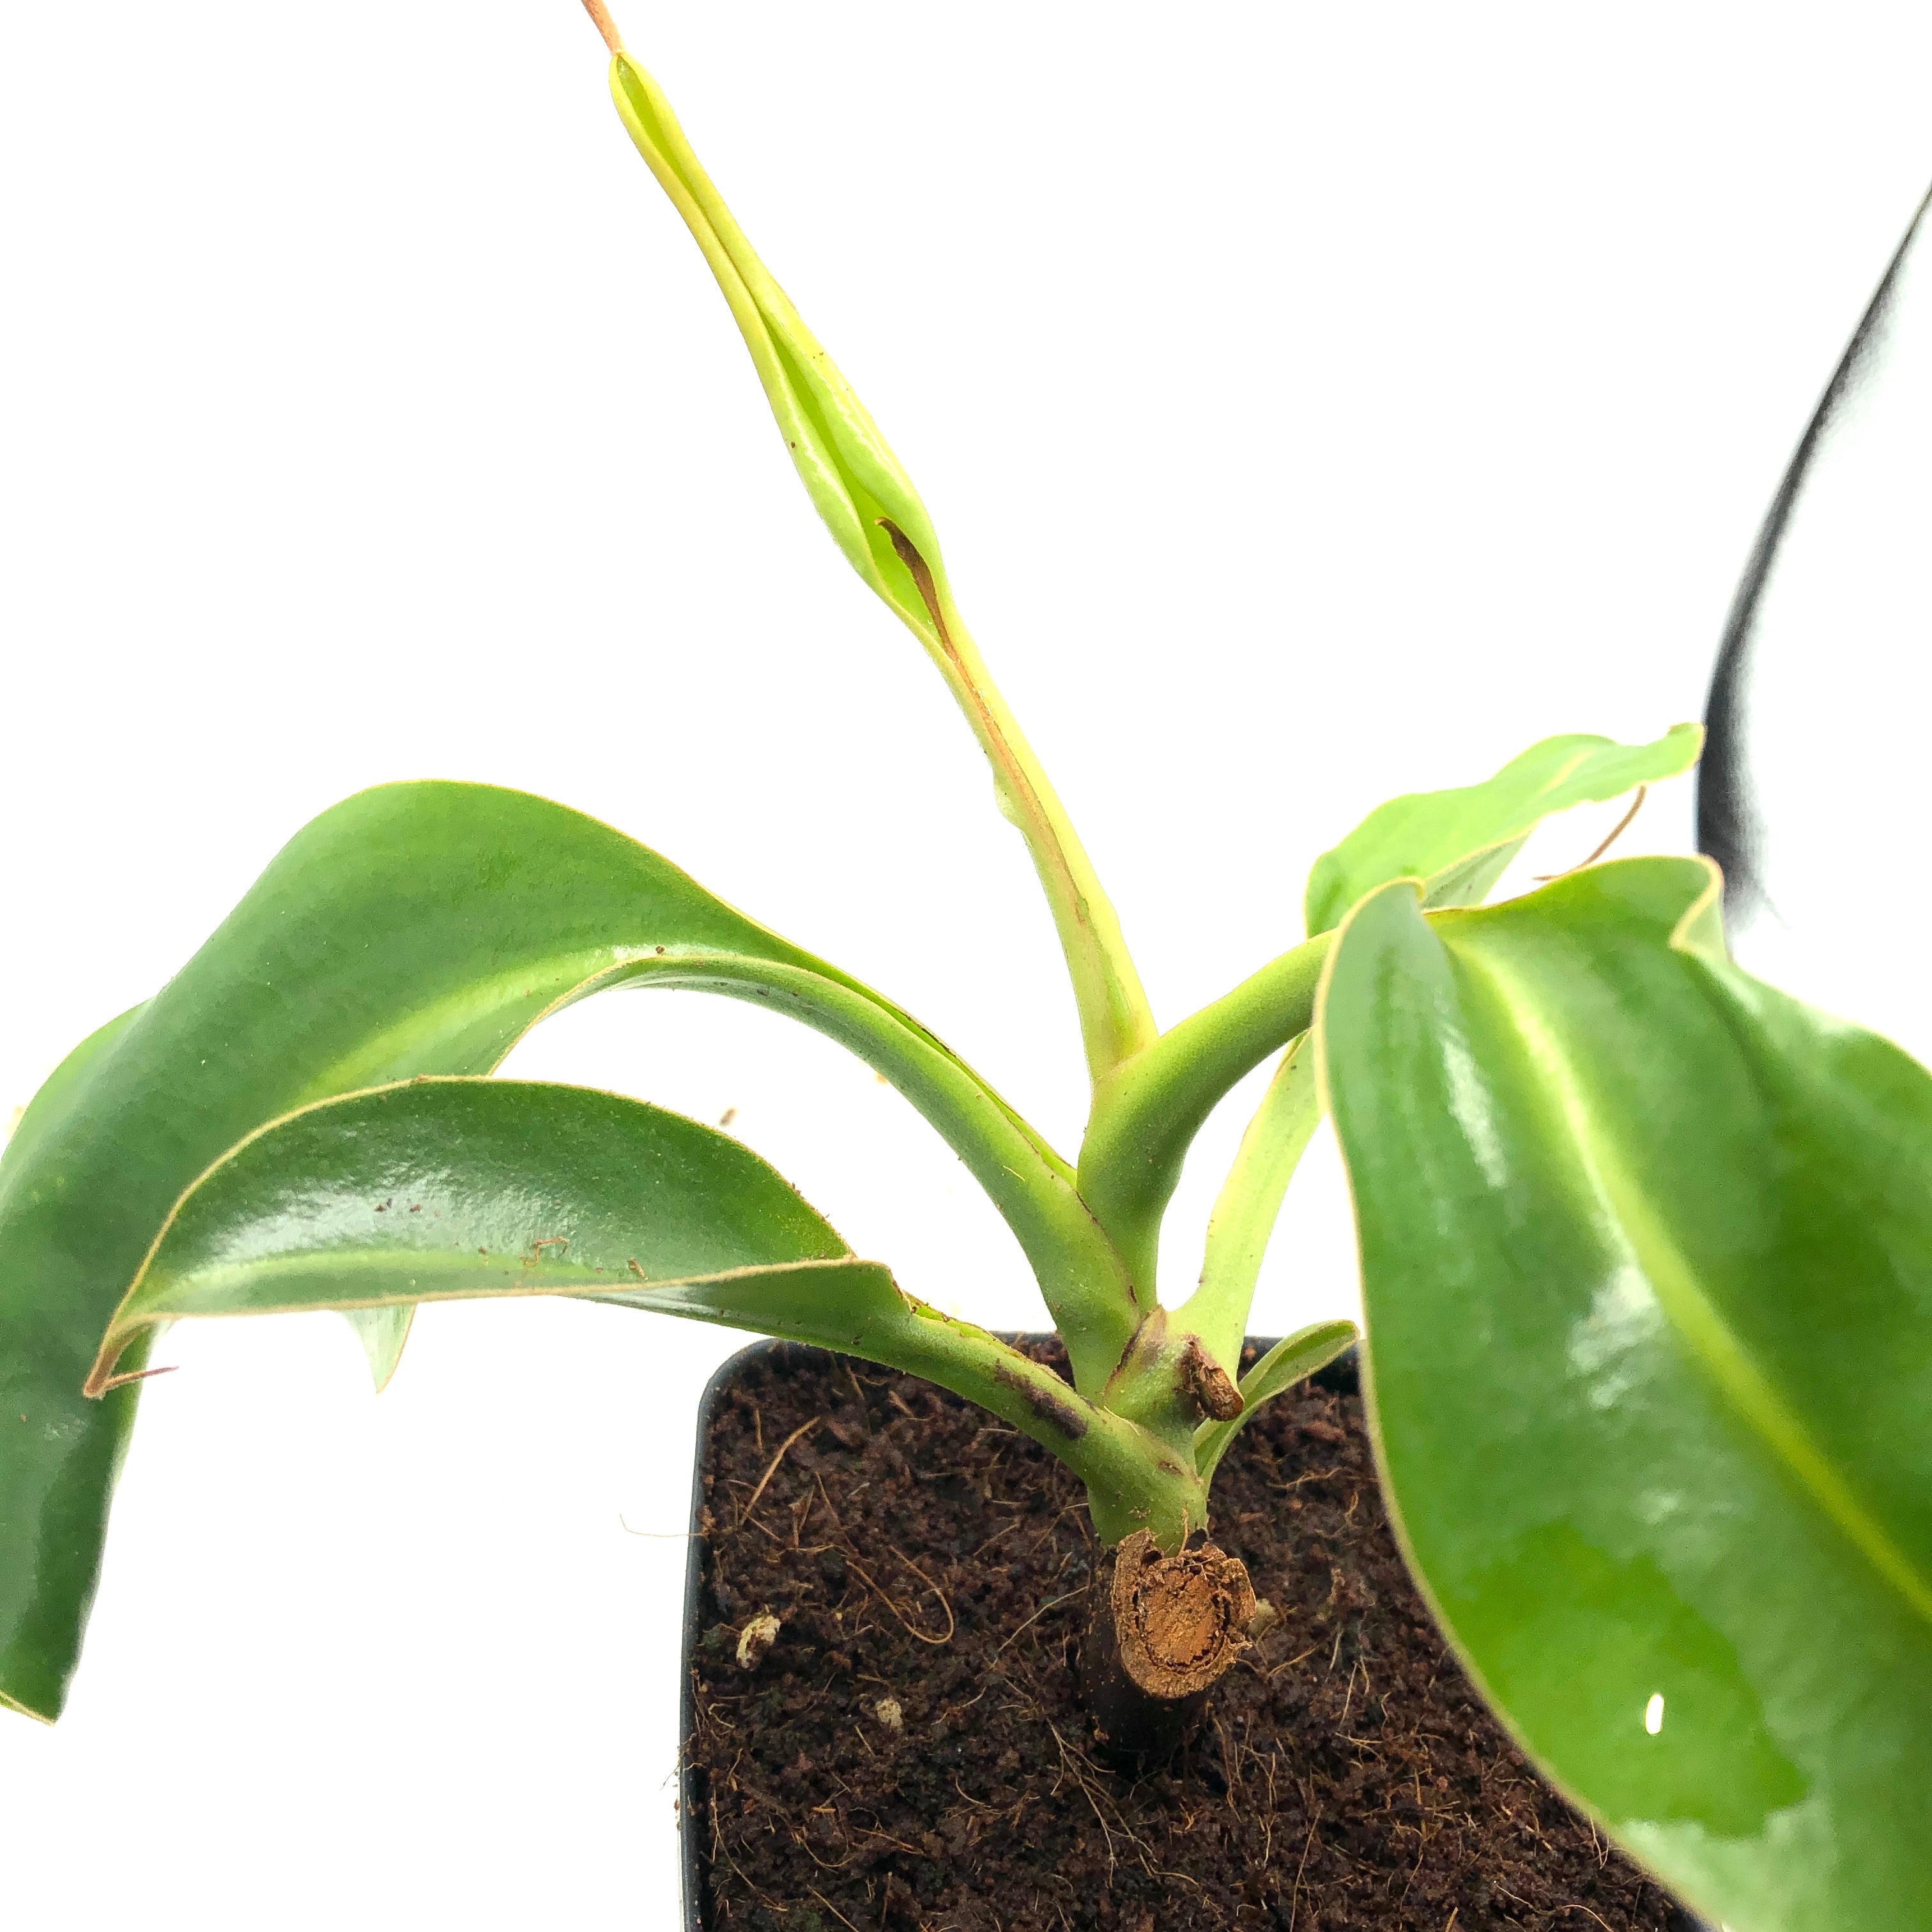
[688,1797]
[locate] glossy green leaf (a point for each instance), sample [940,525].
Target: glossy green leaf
[433,1189]
[1647,1258]
[1293,1359]
[417,928]
[439,1190]
[1460,842]
[59,1454]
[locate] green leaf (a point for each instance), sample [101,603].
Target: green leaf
[1293,1359]
[1250,1199]
[1460,842]
[854,481]
[417,928]
[382,1332]
[1647,1259]
[434,1189]
[438,1189]
[59,1455]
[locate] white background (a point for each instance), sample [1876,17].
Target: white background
[1315,403]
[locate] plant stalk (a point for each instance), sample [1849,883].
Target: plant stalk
[1161,1631]
[1147,1111]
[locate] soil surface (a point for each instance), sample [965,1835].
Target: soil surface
[910,1754]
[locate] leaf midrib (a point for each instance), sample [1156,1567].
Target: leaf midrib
[1627,1221]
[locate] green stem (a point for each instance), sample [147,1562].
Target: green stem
[1116,1021]
[1088,1290]
[1249,1200]
[1134,1481]
[1146,1112]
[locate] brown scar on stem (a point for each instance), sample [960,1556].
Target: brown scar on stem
[1133,1342]
[1164,1629]
[917,568]
[1049,1408]
[1008,766]
[548,1241]
[1210,1385]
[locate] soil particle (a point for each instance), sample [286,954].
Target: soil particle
[922,1556]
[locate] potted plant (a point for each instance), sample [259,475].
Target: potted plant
[1537,1103]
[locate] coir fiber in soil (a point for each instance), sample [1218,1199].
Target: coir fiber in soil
[911,1751]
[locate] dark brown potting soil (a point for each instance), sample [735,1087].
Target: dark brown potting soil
[910,1752]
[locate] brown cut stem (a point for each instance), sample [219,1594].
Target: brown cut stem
[607,27]
[1162,1630]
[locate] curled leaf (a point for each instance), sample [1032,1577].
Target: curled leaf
[876,517]
[1460,842]
[852,478]
[467,1189]
[412,929]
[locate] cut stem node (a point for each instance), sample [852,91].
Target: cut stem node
[1164,1628]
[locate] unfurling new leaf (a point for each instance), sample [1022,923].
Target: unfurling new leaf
[877,520]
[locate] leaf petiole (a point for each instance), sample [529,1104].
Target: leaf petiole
[1244,1214]
[1147,1111]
